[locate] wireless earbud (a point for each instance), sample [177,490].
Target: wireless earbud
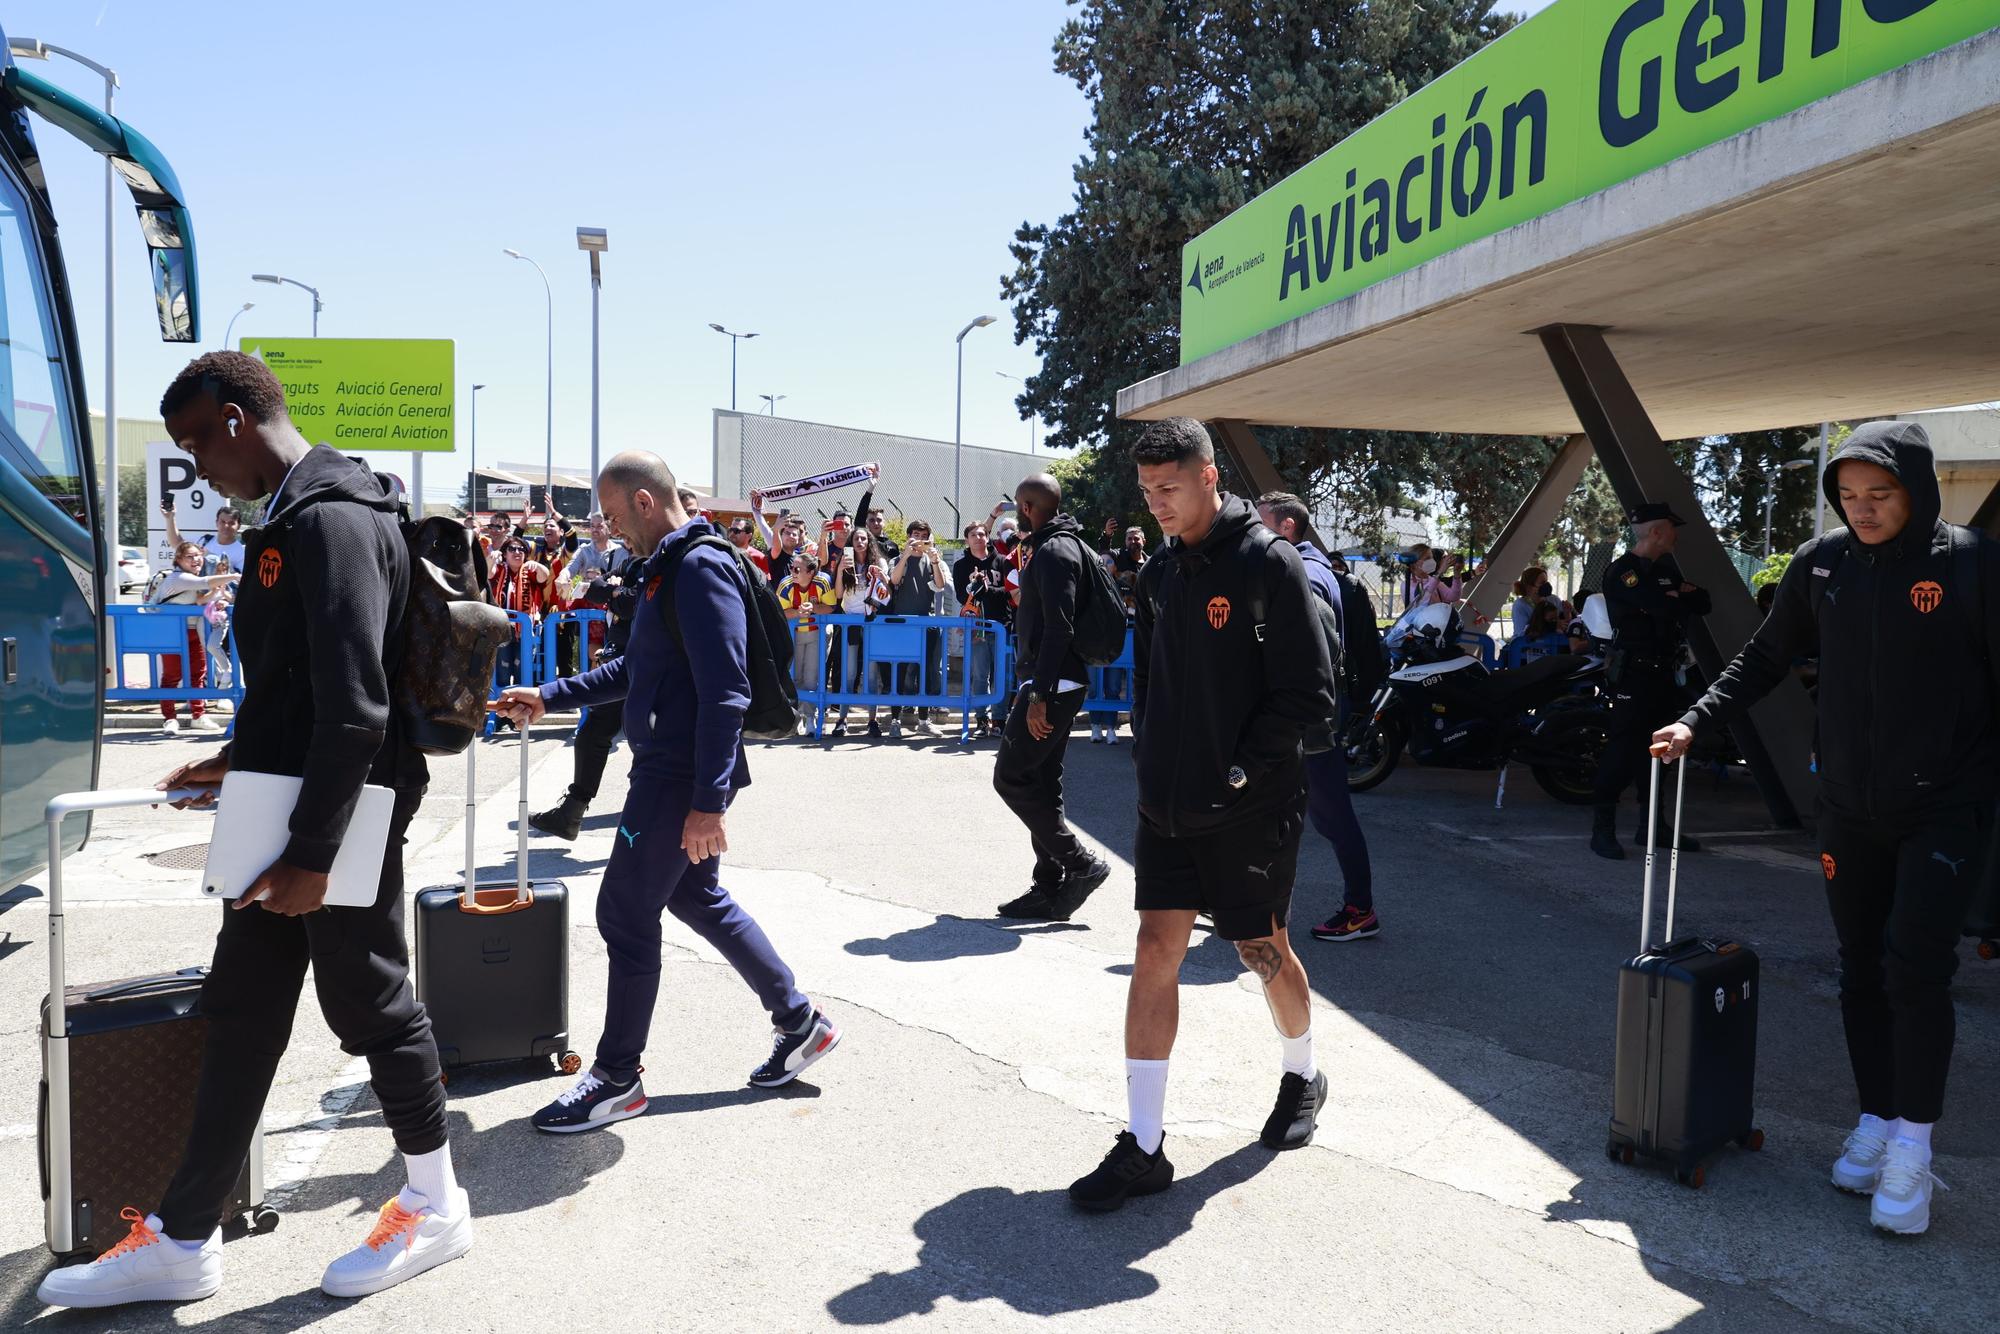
[231,422]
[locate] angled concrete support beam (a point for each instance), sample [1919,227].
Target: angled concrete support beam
[1776,740]
[1520,541]
[1253,465]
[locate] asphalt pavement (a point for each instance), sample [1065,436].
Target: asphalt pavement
[915,1178]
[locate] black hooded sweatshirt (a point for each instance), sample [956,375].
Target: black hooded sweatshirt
[1045,622]
[1229,671]
[319,623]
[1907,650]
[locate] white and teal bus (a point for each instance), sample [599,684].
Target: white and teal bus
[58,552]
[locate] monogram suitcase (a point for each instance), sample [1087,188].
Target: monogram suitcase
[1684,1078]
[119,1065]
[493,956]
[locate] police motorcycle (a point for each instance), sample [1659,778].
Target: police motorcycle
[1451,711]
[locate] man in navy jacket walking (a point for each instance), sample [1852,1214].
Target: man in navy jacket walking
[685,695]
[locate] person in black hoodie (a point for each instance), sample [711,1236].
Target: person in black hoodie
[1900,609]
[1230,670]
[1028,771]
[319,624]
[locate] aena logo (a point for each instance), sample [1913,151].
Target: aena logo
[1194,276]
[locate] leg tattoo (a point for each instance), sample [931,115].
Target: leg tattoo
[1262,958]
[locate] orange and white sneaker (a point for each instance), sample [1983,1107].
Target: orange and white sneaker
[403,1244]
[145,1267]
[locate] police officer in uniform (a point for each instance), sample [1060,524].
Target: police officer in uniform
[1650,605]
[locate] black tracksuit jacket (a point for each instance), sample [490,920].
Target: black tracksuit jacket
[1216,686]
[1045,622]
[1907,651]
[318,622]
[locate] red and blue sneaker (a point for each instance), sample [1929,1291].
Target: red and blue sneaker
[1350,923]
[591,1103]
[791,1053]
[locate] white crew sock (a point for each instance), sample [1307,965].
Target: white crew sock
[432,1183]
[1875,1125]
[1299,1055]
[1146,1102]
[1917,1132]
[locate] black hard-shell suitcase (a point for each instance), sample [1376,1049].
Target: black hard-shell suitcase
[118,1082]
[1684,1080]
[493,957]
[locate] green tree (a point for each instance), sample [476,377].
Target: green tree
[1196,109]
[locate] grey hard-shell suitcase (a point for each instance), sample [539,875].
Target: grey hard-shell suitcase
[493,956]
[120,1061]
[1684,1079]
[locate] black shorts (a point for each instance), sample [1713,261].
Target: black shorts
[1241,876]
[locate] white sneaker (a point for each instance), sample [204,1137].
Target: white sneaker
[145,1267]
[203,724]
[895,729]
[1111,737]
[1903,1196]
[172,727]
[402,1245]
[1859,1166]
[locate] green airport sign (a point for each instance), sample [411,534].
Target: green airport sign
[365,393]
[1582,96]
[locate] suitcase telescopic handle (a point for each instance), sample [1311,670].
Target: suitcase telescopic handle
[59,809]
[1653,847]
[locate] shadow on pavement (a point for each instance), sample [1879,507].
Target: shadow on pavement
[1036,1252]
[955,938]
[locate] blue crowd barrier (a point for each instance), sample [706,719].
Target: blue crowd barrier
[1111,684]
[527,642]
[162,632]
[894,643]
[550,631]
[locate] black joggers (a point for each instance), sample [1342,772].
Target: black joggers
[1028,776]
[361,969]
[1898,889]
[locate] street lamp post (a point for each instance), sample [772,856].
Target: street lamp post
[231,330]
[594,240]
[771,402]
[734,339]
[1031,421]
[958,419]
[1771,472]
[472,479]
[279,278]
[549,456]
[28,48]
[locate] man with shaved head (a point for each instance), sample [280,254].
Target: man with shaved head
[1028,772]
[685,681]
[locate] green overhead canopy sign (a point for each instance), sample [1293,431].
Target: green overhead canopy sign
[1584,95]
[365,393]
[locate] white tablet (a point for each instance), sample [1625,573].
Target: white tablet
[253,817]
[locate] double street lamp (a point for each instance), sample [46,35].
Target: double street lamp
[734,339]
[230,331]
[549,455]
[279,278]
[771,402]
[1770,472]
[958,419]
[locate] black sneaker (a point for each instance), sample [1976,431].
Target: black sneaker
[564,821]
[874,728]
[791,1053]
[591,1104]
[1292,1120]
[1032,906]
[1077,885]
[1126,1170]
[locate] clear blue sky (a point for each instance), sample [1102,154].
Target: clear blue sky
[842,180]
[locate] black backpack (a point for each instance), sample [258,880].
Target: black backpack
[1361,638]
[1098,636]
[773,714]
[1321,738]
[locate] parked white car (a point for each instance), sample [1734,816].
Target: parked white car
[133,571]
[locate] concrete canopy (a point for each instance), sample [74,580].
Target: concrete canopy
[1838,262]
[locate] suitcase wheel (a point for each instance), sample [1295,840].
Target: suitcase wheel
[1620,1153]
[1989,949]
[263,1219]
[1752,1141]
[1694,1177]
[569,1063]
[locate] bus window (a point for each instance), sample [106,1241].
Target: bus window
[38,435]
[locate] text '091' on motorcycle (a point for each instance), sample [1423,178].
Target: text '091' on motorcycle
[1451,711]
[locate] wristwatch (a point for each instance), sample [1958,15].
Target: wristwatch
[1236,778]
[1035,696]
